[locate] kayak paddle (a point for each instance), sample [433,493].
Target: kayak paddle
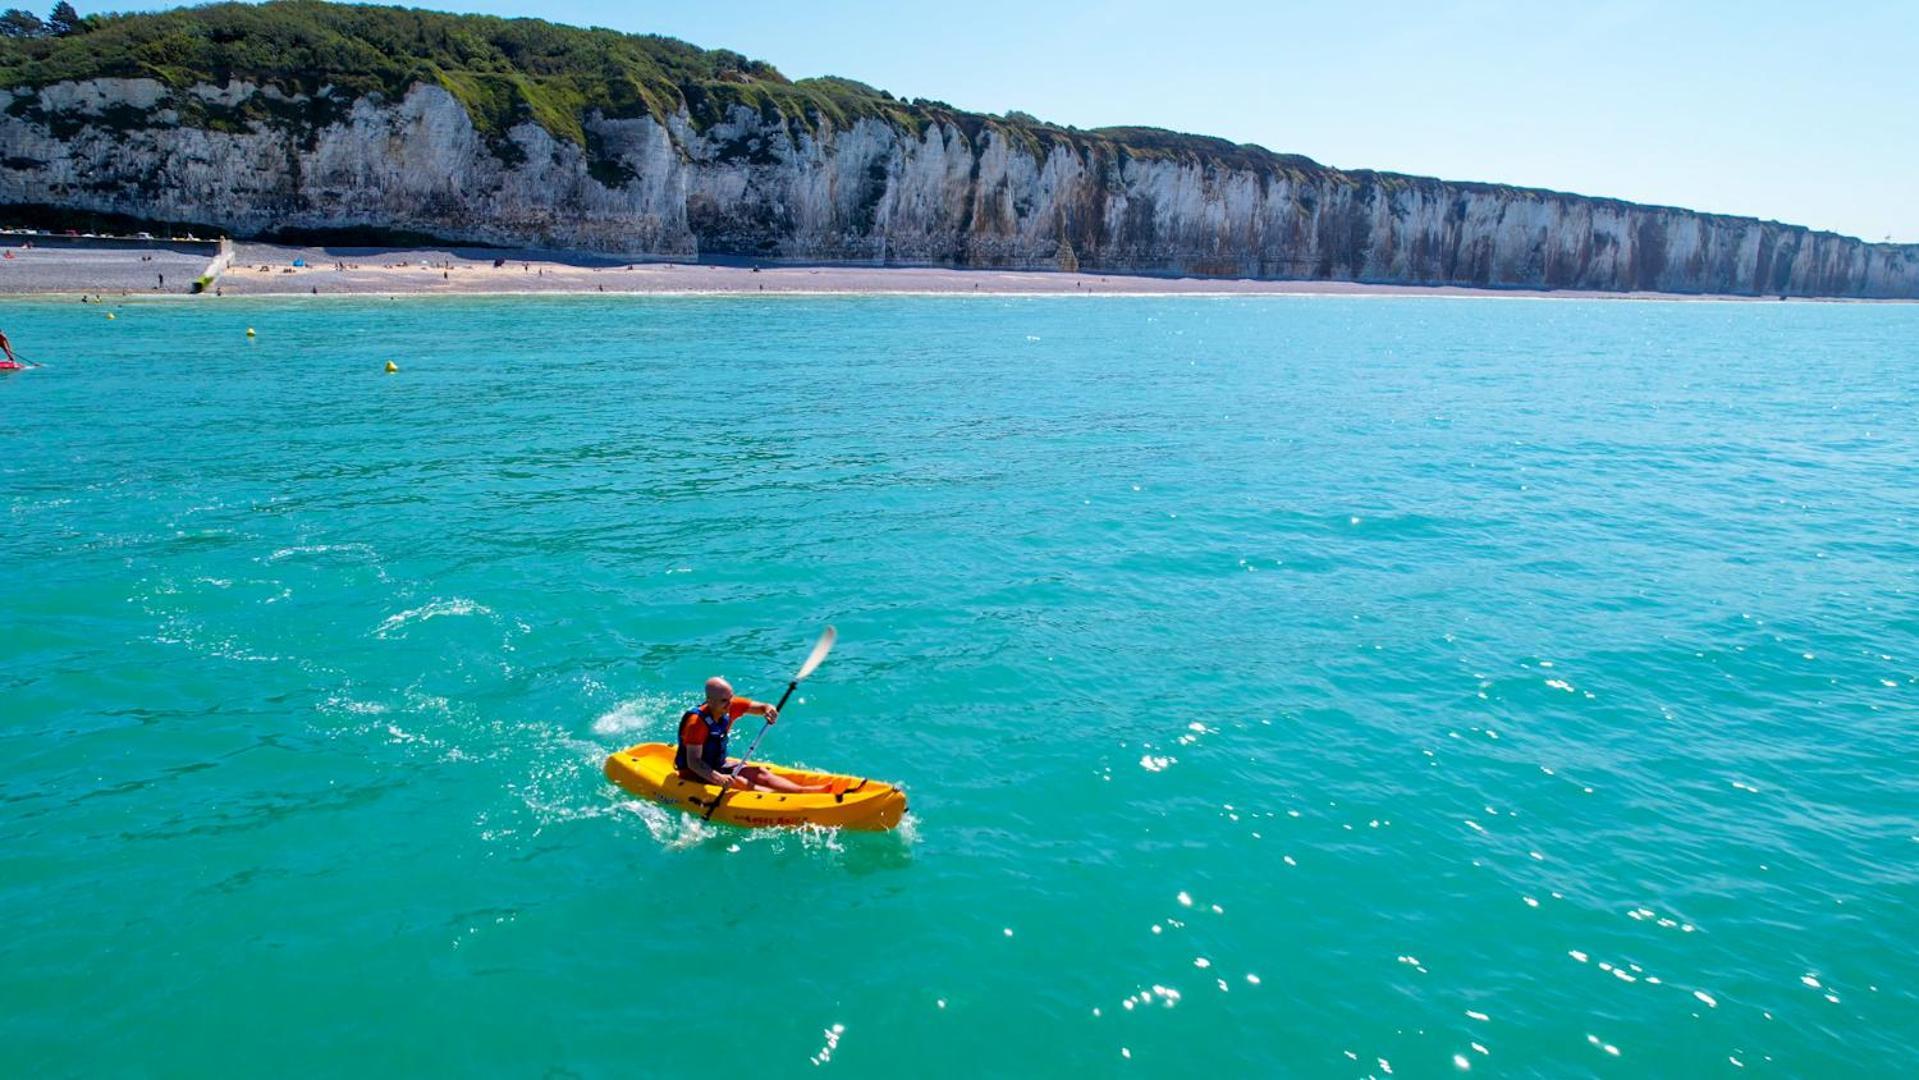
[820,648]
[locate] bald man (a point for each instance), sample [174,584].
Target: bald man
[702,751]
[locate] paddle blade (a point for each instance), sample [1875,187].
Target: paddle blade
[820,649]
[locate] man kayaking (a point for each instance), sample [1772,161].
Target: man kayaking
[7,347]
[701,754]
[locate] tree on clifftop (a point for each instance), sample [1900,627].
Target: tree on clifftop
[63,20]
[21,24]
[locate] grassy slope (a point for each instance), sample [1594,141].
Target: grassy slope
[508,70]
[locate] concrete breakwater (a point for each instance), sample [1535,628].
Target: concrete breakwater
[36,262]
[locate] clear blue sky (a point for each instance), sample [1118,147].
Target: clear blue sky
[1801,112]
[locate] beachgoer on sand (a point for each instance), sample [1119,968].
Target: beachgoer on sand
[701,755]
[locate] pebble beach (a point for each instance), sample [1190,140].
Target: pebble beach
[281,270]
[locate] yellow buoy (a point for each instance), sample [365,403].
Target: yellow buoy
[392,368]
[109,314]
[250,332]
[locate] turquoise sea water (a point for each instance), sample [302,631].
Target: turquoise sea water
[1293,686]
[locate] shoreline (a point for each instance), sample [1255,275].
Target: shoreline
[265,270]
[109,300]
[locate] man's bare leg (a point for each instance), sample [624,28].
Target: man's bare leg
[767,780]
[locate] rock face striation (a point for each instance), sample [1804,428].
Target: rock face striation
[955,190]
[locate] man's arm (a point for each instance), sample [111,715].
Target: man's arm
[698,766]
[695,740]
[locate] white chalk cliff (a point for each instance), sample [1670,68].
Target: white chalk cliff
[973,193]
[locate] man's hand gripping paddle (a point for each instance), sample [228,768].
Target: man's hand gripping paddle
[820,648]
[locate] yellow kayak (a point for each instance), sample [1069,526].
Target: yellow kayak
[647,770]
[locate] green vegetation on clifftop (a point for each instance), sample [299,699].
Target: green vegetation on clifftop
[321,56]
[503,70]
